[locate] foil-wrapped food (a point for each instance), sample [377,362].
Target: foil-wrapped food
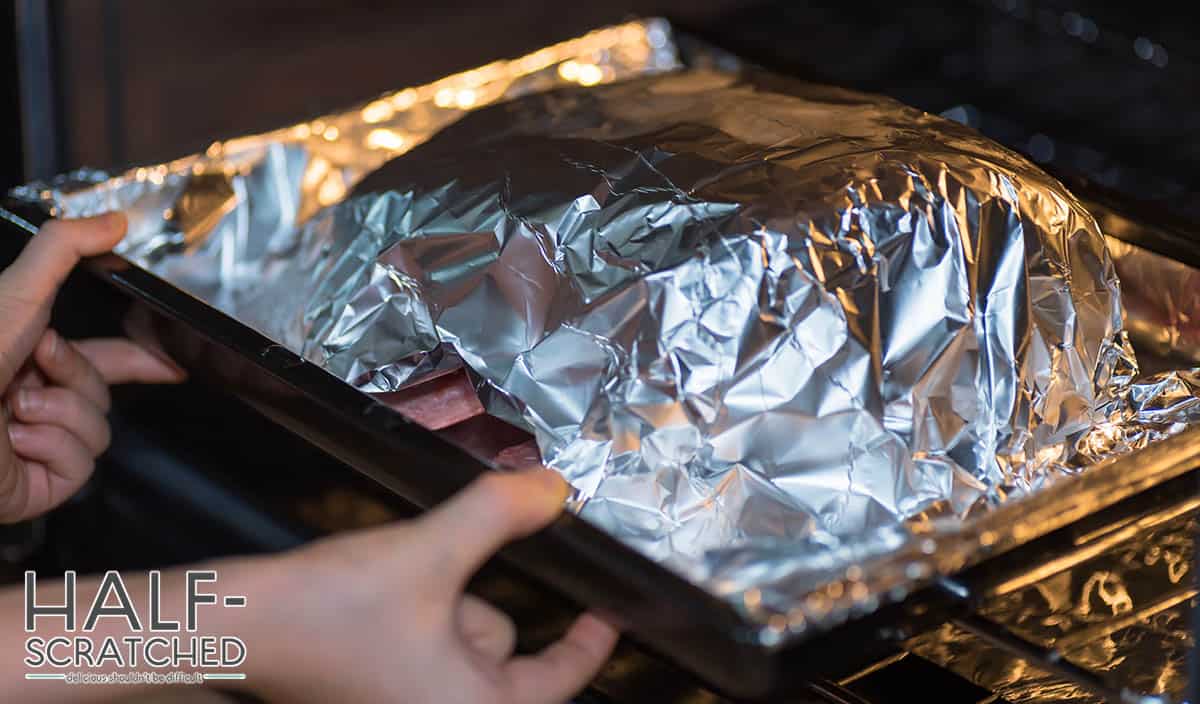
[768,330]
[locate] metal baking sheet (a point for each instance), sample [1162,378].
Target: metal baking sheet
[866,585]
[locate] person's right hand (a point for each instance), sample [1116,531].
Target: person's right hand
[382,616]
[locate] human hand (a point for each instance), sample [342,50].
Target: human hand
[381,615]
[56,391]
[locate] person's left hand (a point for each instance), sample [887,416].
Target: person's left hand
[56,391]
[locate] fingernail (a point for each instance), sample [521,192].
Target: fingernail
[17,432]
[28,400]
[51,343]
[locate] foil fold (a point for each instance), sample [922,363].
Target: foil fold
[769,331]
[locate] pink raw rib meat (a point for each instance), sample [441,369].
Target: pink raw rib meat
[436,403]
[447,403]
[519,456]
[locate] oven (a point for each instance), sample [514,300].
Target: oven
[1100,607]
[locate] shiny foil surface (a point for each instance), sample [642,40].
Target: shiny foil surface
[1121,610]
[801,344]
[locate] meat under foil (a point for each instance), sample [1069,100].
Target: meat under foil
[737,312]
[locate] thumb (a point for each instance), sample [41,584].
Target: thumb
[494,509]
[27,288]
[55,250]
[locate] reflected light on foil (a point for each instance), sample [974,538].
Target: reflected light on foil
[317,169]
[385,139]
[331,191]
[569,70]
[465,98]
[405,99]
[444,98]
[587,74]
[377,111]
[590,74]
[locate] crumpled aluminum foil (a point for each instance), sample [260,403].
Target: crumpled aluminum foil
[734,335]
[766,329]
[1123,612]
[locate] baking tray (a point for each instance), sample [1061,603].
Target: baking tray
[661,610]
[704,633]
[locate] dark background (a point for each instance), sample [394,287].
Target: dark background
[10,133]
[1108,90]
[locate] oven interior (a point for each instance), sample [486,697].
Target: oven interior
[1091,91]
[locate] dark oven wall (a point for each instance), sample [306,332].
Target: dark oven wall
[10,117]
[145,80]
[1096,89]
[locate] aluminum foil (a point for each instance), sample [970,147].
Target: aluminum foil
[206,221]
[750,343]
[772,332]
[1161,298]
[1118,606]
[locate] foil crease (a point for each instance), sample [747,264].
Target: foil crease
[770,331]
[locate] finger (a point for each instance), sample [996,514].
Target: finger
[121,361]
[485,629]
[66,409]
[139,326]
[14,490]
[31,490]
[28,286]
[63,454]
[55,250]
[63,365]
[24,492]
[28,378]
[565,667]
[480,519]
